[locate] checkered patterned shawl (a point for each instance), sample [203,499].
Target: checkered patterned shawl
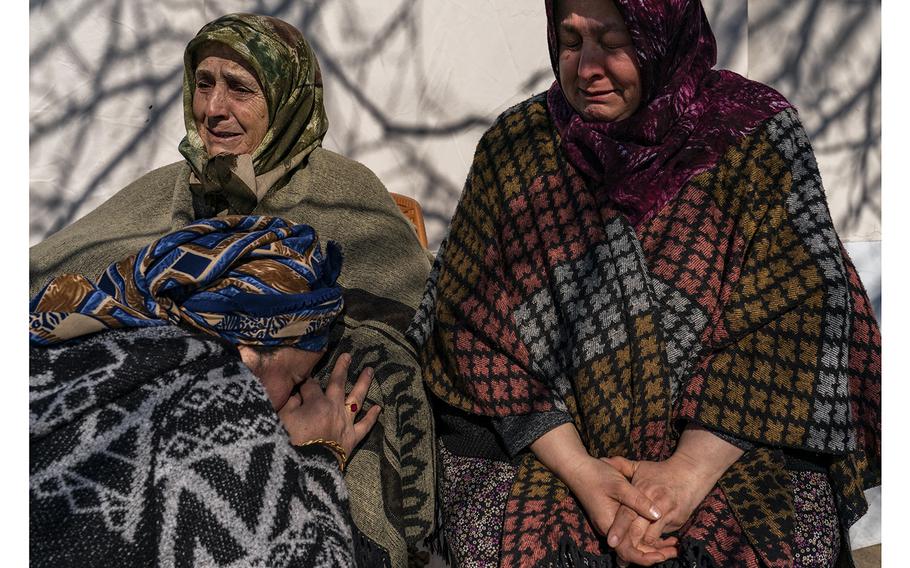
[251,280]
[733,306]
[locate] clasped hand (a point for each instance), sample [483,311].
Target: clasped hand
[634,503]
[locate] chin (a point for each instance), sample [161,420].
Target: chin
[220,150]
[603,114]
[219,147]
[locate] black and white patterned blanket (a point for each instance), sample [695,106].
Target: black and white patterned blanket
[154,447]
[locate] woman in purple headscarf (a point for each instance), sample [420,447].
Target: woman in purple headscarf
[644,338]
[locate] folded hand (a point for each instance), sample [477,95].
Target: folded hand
[677,486]
[604,491]
[676,489]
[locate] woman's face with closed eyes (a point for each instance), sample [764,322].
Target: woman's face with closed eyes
[598,71]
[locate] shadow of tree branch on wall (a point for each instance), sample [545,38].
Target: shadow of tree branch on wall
[72,112]
[112,110]
[123,76]
[396,45]
[825,56]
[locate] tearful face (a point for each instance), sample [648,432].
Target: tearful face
[229,106]
[598,69]
[281,370]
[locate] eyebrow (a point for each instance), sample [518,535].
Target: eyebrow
[239,78]
[230,76]
[600,29]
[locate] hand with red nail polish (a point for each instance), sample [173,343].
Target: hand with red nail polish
[330,414]
[312,413]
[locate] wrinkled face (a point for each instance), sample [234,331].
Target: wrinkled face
[229,106]
[280,370]
[597,65]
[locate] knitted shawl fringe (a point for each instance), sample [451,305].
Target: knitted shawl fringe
[368,554]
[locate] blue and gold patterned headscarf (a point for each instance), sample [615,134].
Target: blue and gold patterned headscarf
[250,280]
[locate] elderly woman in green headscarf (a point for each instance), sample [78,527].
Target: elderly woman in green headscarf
[253,110]
[255,120]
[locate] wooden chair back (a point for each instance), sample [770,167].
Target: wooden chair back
[411,209]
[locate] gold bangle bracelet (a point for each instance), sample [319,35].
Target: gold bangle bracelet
[332,445]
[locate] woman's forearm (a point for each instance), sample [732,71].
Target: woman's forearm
[699,452]
[561,451]
[706,453]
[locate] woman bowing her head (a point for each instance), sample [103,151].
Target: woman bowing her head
[643,337]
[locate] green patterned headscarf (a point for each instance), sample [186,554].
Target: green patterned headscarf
[287,69]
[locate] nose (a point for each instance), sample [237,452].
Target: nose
[590,62]
[216,104]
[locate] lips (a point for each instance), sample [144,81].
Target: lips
[222,135]
[596,94]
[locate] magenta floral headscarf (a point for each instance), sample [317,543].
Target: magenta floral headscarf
[689,114]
